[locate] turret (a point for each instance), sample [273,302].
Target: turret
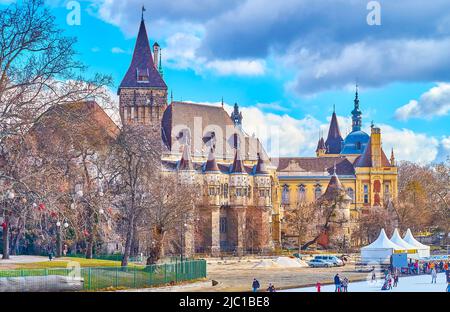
[392,160]
[236,115]
[334,140]
[238,181]
[321,149]
[262,183]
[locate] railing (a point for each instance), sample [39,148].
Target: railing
[105,277]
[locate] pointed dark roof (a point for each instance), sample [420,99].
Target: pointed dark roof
[261,166]
[334,139]
[238,165]
[185,161]
[321,145]
[142,62]
[365,160]
[211,164]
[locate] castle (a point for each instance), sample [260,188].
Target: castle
[246,193]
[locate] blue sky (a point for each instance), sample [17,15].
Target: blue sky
[289,61]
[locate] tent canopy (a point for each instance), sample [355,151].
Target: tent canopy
[397,239]
[423,250]
[382,242]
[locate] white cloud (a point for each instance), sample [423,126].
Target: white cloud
[237,67]
[434,102]
[117,50]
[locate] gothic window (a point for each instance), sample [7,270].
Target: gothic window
[223,225]
[301,193]
[285,195]
[317,191]
[351,194]
[225,190]
[238,191]
[366,193]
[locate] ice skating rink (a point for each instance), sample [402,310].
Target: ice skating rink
[421,283]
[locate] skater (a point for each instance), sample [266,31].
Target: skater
[433,275]
[374,274]
[345,284]
[255,285]
[448,287]
[389,280]
[271,288]
[318,285]
[337,283]
[396,279]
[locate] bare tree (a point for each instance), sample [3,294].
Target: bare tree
[134,164]
[38,71]
[299,220]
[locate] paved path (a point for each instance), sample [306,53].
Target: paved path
[23,259]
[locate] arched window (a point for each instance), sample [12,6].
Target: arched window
[317,191]
[285,195]
[351,194]
[366,193]
[301,193]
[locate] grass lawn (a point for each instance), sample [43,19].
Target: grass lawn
[63,262]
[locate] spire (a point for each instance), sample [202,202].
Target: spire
[237,166]
[222,101]
[171,96]
[321,145]
[334,140]
[211,164]
[185,163]
[142,72]
[236,115]
[261,166]
[356,113]
[392,157]
[160,70]
[334,188]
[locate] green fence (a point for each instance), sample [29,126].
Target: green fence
[118,277]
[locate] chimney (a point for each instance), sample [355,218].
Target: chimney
[156,55]
[375,144]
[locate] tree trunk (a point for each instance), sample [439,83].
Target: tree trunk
[6,239]
[128,242]
[306,245]
[157,248]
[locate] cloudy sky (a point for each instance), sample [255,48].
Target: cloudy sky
[288,62]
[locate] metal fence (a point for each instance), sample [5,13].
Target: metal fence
[103,277]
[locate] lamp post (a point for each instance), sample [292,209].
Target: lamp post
[5,225]
[58,240]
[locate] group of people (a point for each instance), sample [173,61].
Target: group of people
[256,286]
[391,278]
[341,284]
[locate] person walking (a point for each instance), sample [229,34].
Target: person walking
[255,285]
[337,283]
[433,275]
[318,286]
[374,274]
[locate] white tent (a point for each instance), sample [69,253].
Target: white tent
[423,250]
[380,250]
[397,239]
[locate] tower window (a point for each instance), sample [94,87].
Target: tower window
[285,195]
[317,192]
[366,193]
[142,76]
[301,193]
